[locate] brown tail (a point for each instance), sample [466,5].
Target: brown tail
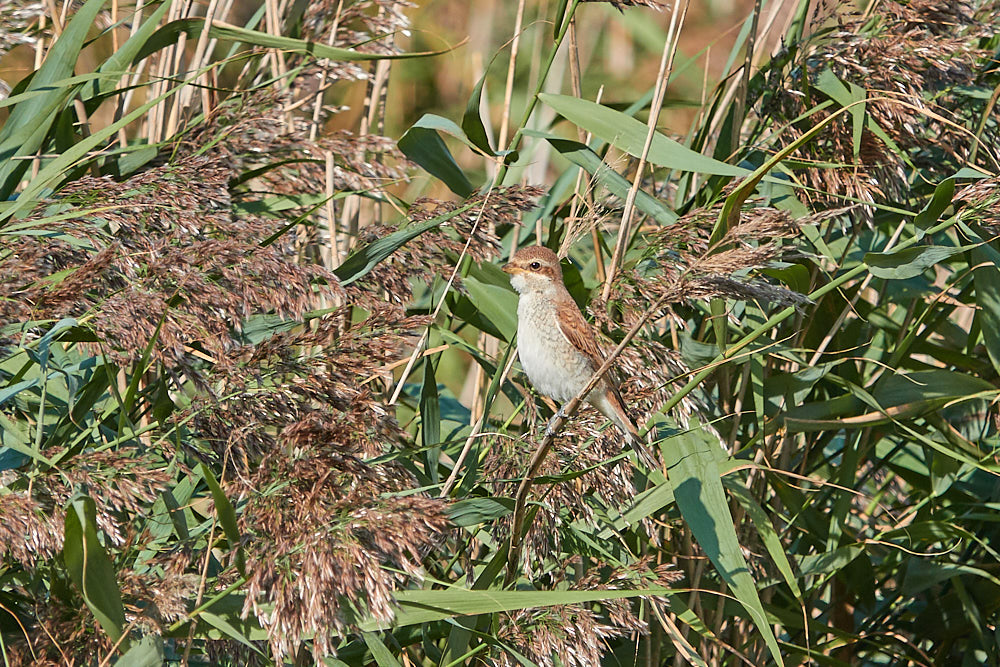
[611,406]
[646,456]
[634,440]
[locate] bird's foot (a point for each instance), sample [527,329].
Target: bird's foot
[550,429]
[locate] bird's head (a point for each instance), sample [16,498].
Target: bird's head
[534,269]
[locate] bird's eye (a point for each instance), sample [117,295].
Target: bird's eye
[535,266]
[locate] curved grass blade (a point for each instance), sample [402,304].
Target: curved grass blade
[383,657]
[29,122]
[693,459]
[90,569]
[366,258]
[227,517]
[424,606]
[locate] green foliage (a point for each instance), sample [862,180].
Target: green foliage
[244,421]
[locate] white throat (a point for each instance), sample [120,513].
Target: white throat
[526,284]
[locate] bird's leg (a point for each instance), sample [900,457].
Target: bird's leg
[550,427]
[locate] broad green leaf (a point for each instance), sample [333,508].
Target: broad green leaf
[794,276]
[147,652]
[949,451]
[935,387]
[68,82]
[767,533]
[921,573]
[693,459]
[383,657]
[828,562]
[90,569]
[12,390]
[582,156]
[688,617]
[432,121]
[472,511]
[258,328]
[496,304]
[897,396]
[13,438]
[970,172]
[472,121]
[645,504]
[221,624]
[629,134]
[10,458]
[845,95]
[791,389]
[422,144]
[939,202]
[908,262]
[430,420]
[110,71]
[986,277]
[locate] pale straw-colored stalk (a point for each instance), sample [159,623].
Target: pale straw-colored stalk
[508,91]
[582,194]
[201,54]
[666,67]
[325,72]
[477,428]
[130,81]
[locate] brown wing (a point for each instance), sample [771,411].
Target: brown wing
[581,336]
[577,331]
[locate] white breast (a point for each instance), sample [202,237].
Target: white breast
[556,368]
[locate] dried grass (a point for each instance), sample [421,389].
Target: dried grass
[980,204]
[29,532]
[911,58]
[250,132]
[435,252]
[326,545]
[576,634]
[15,20]
[159,593]
[294,421]
[680,266]
[163,246]
[620,5]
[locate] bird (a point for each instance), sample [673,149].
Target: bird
[557,347]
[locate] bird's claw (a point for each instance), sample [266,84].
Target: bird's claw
[550,427]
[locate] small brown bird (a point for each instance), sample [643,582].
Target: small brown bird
[557,347]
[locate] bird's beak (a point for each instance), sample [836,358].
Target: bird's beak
[510,268]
